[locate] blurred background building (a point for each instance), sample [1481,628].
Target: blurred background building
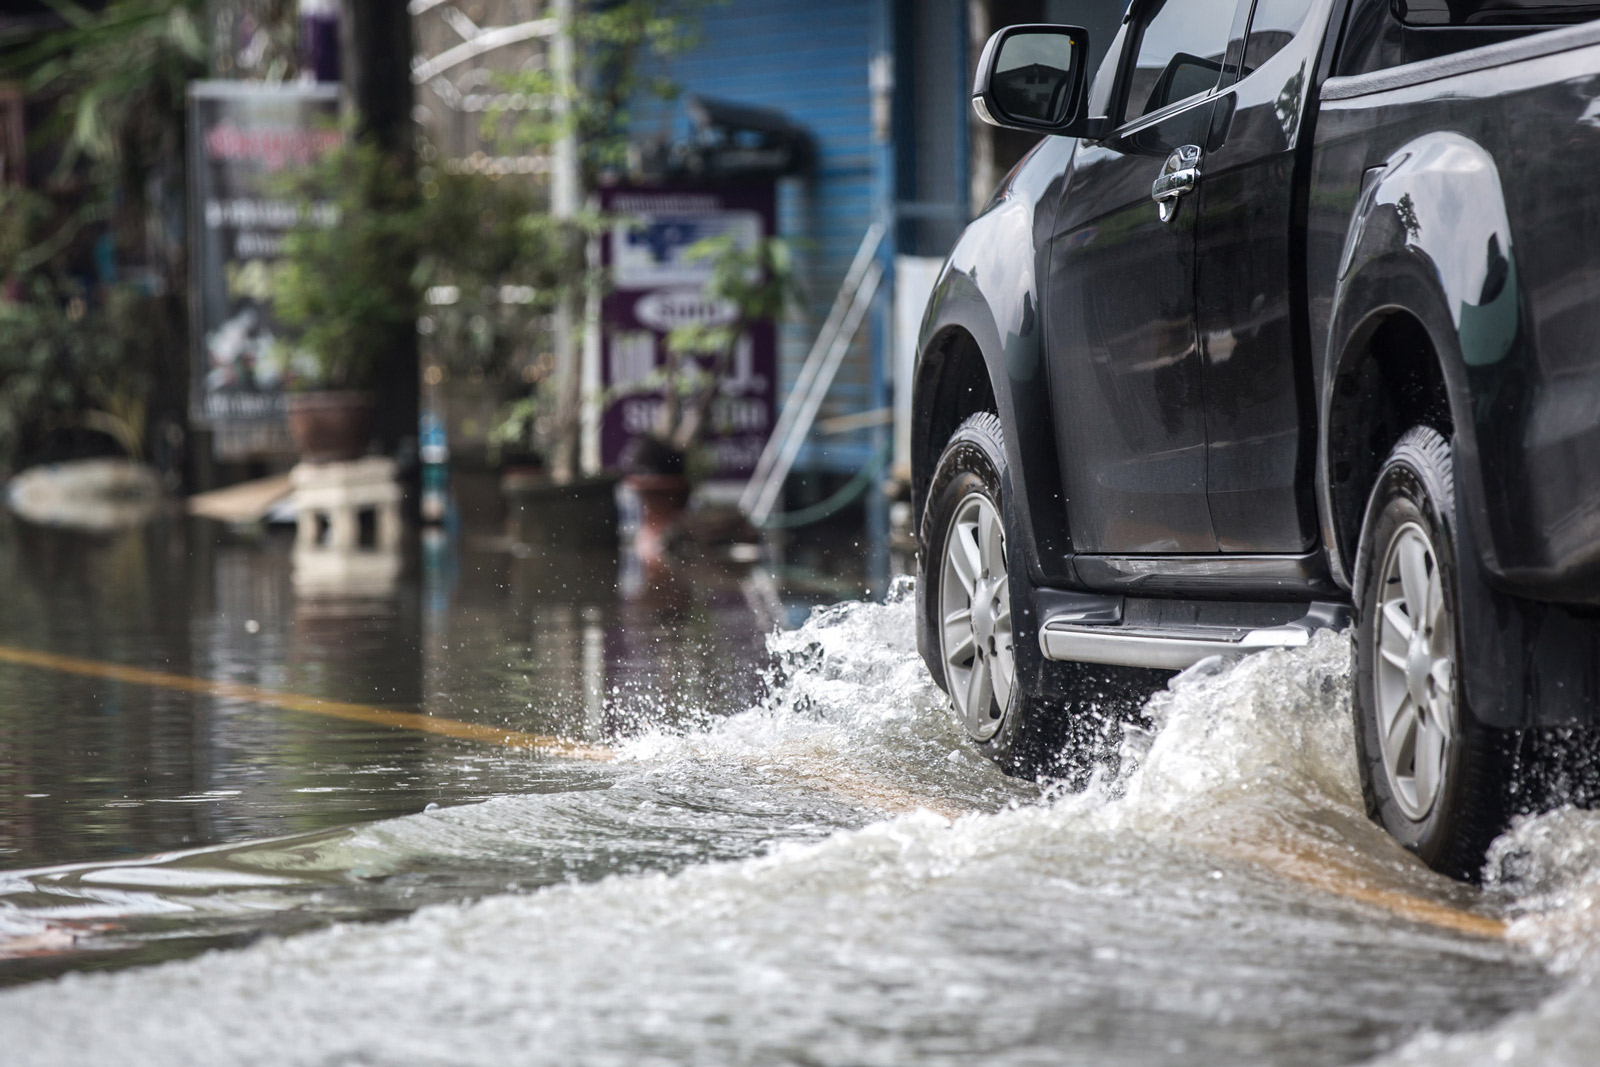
[880,88]
[860,106]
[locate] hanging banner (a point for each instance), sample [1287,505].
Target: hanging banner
[656,286]
[242,137]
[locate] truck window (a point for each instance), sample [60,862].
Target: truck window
[1495,12]
[1387,33]
[1273,26]
[1179,48]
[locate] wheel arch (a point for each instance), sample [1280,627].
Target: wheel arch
[1427,298]
[952,383]
[1388,378]
[968,363]
[1427,287]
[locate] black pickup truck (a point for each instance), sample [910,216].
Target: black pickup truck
[1292,321]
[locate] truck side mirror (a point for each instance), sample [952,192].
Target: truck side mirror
[1033,78]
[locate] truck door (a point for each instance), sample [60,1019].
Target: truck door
[1251,300]
[1126,377]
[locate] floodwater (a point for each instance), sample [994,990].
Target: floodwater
[753,835]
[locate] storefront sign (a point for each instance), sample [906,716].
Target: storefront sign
[243,136]
[655,286]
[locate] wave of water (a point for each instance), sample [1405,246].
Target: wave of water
[832,877]
[851,732]
[1549,867]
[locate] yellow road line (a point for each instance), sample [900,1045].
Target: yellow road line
[335,709]
[1298,865]
[1330,876]
[1282,859]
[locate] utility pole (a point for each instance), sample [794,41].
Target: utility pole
[565,196]
[376,53]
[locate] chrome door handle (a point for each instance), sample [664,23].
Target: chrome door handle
[1171,186]
[1179,176]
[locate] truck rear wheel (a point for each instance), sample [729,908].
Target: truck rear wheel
[1432,774]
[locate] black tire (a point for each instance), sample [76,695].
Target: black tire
[973,464]
[1412,513]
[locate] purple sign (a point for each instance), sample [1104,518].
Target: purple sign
[654,287]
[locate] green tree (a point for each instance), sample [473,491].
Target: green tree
[622,53]
[113,84]
[70,360]
[117,80]
[618,55]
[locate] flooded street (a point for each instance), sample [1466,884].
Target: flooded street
[679,816]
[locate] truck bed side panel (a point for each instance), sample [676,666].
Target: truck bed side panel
[1476,189]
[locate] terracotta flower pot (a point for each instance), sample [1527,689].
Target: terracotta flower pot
[330,425]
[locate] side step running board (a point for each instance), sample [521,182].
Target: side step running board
[1064,636]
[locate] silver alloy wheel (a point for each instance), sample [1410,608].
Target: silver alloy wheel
[975,606]
[1415,687]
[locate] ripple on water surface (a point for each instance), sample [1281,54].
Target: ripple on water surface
[831,877]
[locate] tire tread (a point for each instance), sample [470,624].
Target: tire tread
[1481,786]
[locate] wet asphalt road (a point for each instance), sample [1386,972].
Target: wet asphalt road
[721,847]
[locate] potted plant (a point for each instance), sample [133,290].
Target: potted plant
[754,282]
[347,285]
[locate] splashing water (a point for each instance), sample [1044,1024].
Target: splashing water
[1548,866]
[833,877]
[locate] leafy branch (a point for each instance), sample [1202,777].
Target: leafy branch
[349,287]
[756,282]
[119,76]
[622,48]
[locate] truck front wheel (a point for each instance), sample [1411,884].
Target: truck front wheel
[964,591]
[1432,774]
